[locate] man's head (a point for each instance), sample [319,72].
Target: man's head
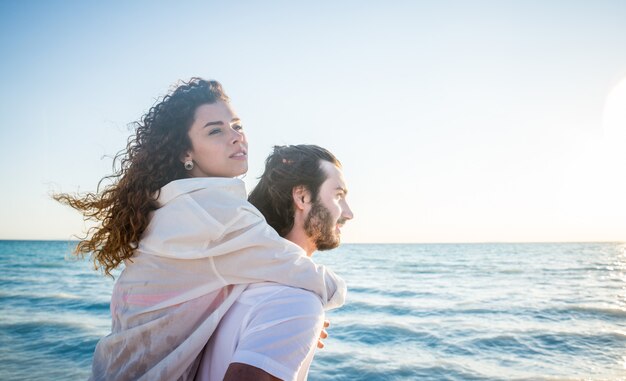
[302,195]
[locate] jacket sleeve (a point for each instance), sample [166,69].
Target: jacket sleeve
[249,250]
[262,255]
[241,246]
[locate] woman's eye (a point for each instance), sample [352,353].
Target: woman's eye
[215,131]
[238,127]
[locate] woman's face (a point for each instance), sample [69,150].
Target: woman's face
[218,144]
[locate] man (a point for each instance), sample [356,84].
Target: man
[271,331]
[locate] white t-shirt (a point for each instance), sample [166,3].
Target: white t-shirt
[272,327]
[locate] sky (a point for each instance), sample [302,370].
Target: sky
[455,121]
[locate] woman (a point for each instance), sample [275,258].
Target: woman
[179,220]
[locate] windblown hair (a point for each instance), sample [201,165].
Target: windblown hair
[150,161]
[288,167]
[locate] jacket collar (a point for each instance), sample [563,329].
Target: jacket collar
[176,188]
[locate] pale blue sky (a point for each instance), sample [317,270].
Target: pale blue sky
[456,121]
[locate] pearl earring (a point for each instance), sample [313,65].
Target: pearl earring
[189,165]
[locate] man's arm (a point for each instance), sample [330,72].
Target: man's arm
[279,337]
[244,372]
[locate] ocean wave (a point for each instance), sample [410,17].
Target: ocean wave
[39,351]
[545,314]
[390,293]
[49,338]
[384,334]
[42,326]
[605,312]
[363,307]
[535,345]
[506,343]
[344,367]
[575,344]
[511,271]
[56,301]
[572,313]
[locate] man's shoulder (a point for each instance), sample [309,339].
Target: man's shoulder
[268,295]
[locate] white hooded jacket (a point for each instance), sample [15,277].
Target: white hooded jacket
[202,247]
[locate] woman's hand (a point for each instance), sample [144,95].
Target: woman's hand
[323,334]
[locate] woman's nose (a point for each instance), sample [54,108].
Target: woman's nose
[237,136]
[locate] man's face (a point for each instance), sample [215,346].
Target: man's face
[330,211]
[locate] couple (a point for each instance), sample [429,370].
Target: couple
[214,287]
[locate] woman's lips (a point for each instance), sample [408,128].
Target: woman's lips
[239,156]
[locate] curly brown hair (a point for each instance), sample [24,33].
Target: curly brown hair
[150,161]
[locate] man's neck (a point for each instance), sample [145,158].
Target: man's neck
[301,239]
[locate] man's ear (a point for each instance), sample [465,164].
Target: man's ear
[301,196]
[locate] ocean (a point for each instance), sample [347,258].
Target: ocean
[498,311]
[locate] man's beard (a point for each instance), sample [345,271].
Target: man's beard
[320,227]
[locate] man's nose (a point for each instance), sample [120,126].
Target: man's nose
[347,212]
